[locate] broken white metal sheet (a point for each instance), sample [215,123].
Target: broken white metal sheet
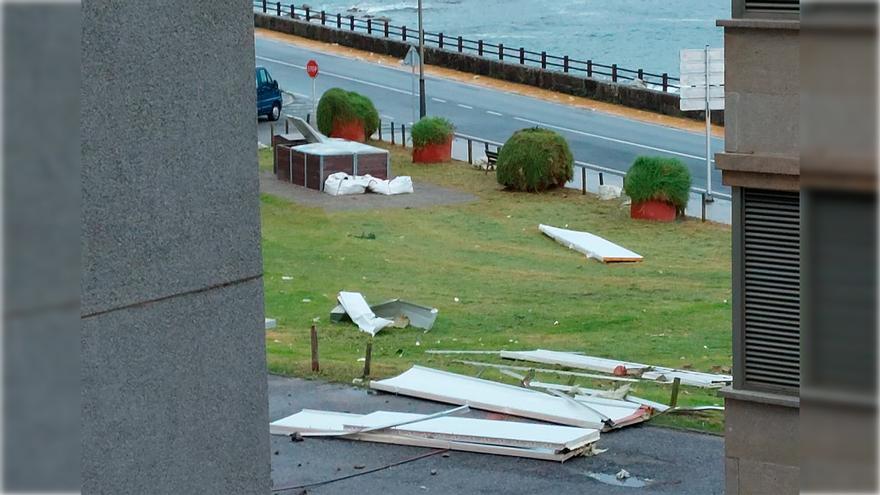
[591,245]
[645,371]
[548,442]
[415,315]
[359,312]
[442,386]
[570,360]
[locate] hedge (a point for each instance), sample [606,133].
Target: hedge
[340,105]
[534,160]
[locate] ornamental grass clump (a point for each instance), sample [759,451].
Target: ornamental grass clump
[339,105]
[534,160]
[432,130]
[655,178]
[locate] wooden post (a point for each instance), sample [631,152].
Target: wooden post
[403,32]
[316,368]
[673,401]
[278,8]
[440,40]
[613,72]
[500,51]
[338,21]
[601,179]
[522,56]
[386,29]
[380,130]
[351,22]
[565,64]
[323,18]
[369,26]
[308,13]
[584,180]
[543,60]
[589,68]
[460,44]
[480,48]
[392,132]
[665,82]
[368,356]
[641,74]
[403,135]
[470,151]
[703,207]
[286,126]
[271,133]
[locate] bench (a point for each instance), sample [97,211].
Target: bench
[491,157]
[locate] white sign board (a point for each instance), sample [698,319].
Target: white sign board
[699,68]
[702,88]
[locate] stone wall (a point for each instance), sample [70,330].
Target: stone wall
[173,376]
[601,90]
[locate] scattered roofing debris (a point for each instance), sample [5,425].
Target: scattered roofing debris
[271,323]
[401,313]
[357,309]
[536,441]
[442,386]
[620,368]
[591,245]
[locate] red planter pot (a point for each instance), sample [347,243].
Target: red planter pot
[433,153]
[353,130]
[659,211]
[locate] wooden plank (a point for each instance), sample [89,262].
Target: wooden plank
[543,370]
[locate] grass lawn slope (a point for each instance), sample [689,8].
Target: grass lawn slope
[498,283]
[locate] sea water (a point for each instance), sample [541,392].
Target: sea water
[633,34]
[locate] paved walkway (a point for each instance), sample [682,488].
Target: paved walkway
[669,461]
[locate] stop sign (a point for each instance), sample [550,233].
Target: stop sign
[312,68]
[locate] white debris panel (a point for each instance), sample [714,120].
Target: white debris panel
[442,386]
[591,245]
[536,441]
[343,184]
[359,311]
[612,366]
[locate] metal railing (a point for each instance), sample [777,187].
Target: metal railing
[497,51]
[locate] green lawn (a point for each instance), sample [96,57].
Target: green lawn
[516,289]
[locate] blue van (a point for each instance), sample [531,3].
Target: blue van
[268,95]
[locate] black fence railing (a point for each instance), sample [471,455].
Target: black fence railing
[515,55]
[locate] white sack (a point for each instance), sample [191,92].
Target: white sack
[398,185]
[607,192]
[341,184]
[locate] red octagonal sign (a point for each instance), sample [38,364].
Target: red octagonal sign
[312,68]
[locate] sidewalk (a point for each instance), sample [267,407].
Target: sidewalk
[668,461]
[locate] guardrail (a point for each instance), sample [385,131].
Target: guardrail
[381,28]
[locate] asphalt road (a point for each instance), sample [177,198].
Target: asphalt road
[595,137]
[665,461]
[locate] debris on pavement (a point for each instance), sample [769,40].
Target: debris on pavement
[509,438]
[442,386]
[401,313]
[271,323]
[620,368]
[590,245]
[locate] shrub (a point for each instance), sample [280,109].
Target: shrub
[658,178]
[534,160]
[340,105]
[431,130]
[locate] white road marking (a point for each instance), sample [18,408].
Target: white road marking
[338,76]
[490,112]
[438,100]
[387,117]
[465,106]
[614,140]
